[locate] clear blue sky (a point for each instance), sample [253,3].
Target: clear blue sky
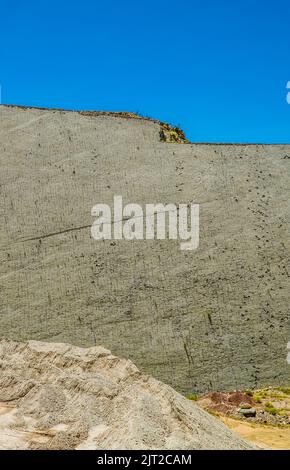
[219,68]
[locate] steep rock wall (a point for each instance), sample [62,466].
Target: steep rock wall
[214,318]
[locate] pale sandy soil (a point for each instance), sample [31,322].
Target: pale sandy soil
[264,436]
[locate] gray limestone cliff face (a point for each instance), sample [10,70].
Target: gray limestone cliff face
[214,318]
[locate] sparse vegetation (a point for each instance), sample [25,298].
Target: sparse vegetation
[259,395]
[192,396]
[272,410]
[268,406]
[285,390]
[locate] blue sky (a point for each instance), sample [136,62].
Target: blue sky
[218,68]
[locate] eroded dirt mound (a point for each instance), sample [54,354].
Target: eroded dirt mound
[225,402]
[57,396]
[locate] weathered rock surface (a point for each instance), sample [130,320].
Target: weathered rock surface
[212,319]
[56,396]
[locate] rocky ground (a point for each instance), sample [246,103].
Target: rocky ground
[260,416]
[264,406]
[57,396]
